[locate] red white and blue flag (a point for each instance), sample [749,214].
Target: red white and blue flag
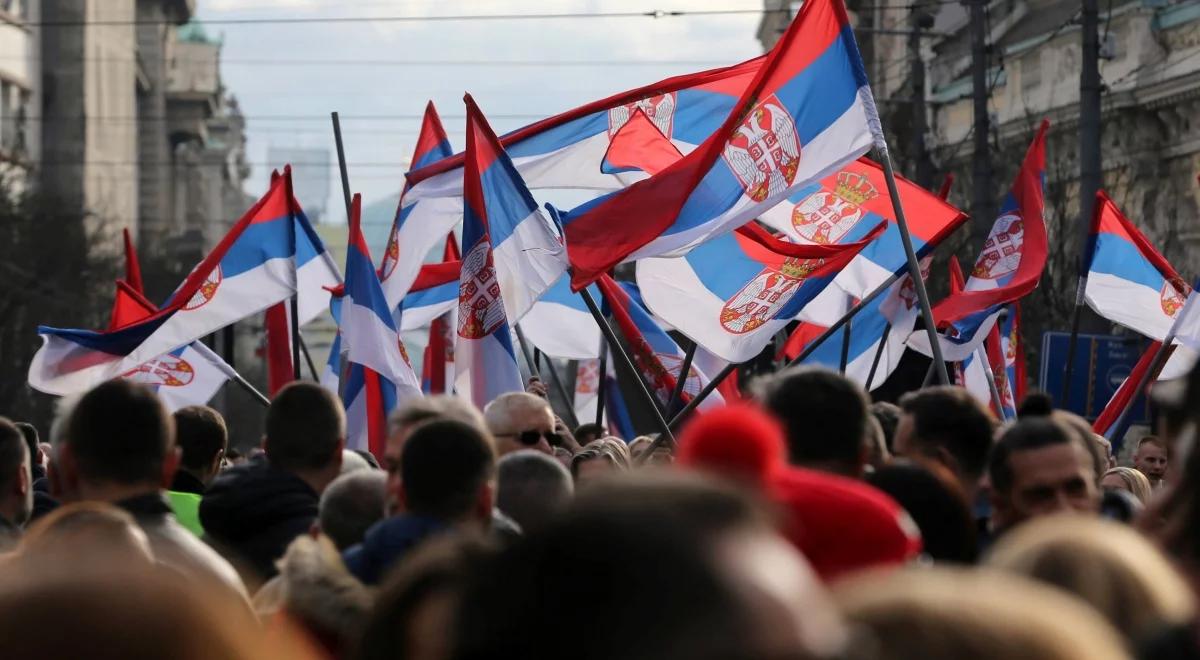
[654,353]
[262,260]
[433,294]
[1008,267]
[734,292]
[560,325]
[485,363]
[808,112]
[437,369]
[370,340]
[418,227]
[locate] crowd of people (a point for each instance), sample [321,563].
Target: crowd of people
[805,522]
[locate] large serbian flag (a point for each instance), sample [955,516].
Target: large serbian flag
[657,357]
[888,319]
[733,293]
[1008,267]
[257,264]
[417,227]
[485,363]
[808,112]
[560,325]
[433,293]
[1128,281]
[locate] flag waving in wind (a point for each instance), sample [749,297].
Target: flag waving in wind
[808,112]
[417,227]
[485,364]
[1009,265]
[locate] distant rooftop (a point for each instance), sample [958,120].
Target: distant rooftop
[195,33]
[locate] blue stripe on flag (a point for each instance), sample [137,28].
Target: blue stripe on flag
[259,243]
[1118,257]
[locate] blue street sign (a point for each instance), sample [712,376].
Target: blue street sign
[1102,362]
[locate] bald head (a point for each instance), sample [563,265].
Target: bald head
[520,420]
[532,488]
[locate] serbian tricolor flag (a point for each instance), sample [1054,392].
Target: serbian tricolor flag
[1123,398]
[370,341]
[1128,281]
[433,294]
[990,356]
[1013,348]
[485,363]
[655,355]
[733,293]
[437,369]
[808,112]
[560,325]
[889,319]
[257,264]
[1008,267]
[418,227]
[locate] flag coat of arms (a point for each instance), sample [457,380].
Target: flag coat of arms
[897,308]
[733,293]
[417,227]
[1128,281]
[808,112]
[1008,267]
[485,363]
[655,355]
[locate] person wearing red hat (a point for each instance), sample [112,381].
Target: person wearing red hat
[841,525]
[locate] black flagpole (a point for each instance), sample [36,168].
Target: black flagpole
[681,381]
[887,331]
[602,391]
[845,347]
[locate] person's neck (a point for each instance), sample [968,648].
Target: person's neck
[202,478]
[318,481]
[115,492]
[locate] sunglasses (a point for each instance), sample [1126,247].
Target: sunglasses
[531,438]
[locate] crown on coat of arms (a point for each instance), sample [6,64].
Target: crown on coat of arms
[855,188]
[799,269]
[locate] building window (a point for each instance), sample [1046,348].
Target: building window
[1031,72]
[15,8]
[14,113]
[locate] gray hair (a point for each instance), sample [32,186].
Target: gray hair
[499,413]
[351,504]
[532,487]
[417,411]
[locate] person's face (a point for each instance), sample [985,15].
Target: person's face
[526,423]
[1151,460]
[592,470]
[902,441]
[1052,479]
[391,462]
[1114,482]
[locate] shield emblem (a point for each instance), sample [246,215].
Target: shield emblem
[1002,250]
[764,150]
[1173,295]
[480,309]
[827,215]
[391,256]
[762,297]
[587,377]
[206,291]
[163,371]
[659,109]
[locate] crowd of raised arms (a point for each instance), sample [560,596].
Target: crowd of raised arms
[805,522]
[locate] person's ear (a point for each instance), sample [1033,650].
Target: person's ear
[63,475]
[484,504]
[216,463]
[337,454]
[169,466]
[24,480]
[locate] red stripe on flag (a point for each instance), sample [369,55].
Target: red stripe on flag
[279,348]
[376,419]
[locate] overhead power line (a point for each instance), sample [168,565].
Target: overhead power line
[400,62]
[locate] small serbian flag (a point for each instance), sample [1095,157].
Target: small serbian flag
[1128,281]
[418,226]
[433,294]
[808,112]
[485,363]
[1008,267]
[733,293]
[654,353]
[1106,422]
[560,325]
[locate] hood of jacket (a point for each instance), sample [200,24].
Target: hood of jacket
[386,543]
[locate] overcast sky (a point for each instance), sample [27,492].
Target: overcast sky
[277,69]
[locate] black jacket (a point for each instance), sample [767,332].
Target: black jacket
[255,510]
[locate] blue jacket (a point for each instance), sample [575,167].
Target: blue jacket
[386,543]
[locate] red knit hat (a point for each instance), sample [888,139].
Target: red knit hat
[739,441]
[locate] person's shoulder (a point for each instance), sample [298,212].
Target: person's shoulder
[173,544]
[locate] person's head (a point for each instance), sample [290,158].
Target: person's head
[94,532]
[405,419]
[598,460]
[585,433]
[32,441]
[202,438]
[1038,468]
[1108,565]
[949,614]
[118,442]
[824,415]
[16,480]
[1127,479]
[532,488]
[519,420]
[949,426]
[1096,446]
[1150,458]
[888,416]
[306,432]
[738,442]
[446,472]
[351,504]
[699,575]
[934,499]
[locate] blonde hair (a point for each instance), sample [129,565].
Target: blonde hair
[1108,565]
[948,614]
[1135,482]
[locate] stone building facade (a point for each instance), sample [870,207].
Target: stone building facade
[19,89]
